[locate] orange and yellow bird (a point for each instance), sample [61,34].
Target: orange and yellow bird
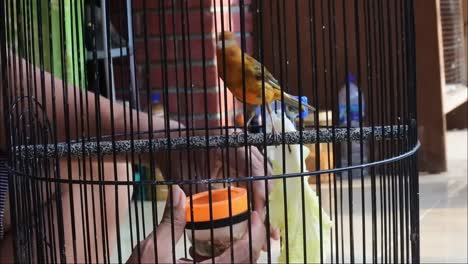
[229,60]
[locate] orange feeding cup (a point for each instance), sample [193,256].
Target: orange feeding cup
[219,203]
[225,211]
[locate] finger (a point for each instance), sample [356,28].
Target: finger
[260,190]
[175,203]
[184,261]
[275,233]
[216,169]
[256,154]
[259,198]
[197,257]
[241,247]
[258,235]
[259,158]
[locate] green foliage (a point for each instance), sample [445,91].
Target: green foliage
[51,35]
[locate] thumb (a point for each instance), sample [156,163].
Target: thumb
[173,217]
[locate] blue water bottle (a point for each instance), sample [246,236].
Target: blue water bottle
[355,120]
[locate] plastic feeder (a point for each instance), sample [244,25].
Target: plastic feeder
[219,218]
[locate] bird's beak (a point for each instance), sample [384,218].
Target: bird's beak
[227,43]
[219,44]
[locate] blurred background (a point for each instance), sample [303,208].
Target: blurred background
[442,54]
[441,28]
[442,78]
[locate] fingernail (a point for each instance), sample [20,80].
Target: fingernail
[176,196]
[253,217]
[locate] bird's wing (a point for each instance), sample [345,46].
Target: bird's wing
[256,70]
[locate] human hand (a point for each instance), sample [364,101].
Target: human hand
[242,164]
[215,164]
[256,168]
[220,163]
[163,234]
[242,253]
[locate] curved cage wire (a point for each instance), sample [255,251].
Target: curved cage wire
[309,106]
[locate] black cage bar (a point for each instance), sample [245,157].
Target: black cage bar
[112,109]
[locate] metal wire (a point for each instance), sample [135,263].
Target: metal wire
[85,144]
[220,141]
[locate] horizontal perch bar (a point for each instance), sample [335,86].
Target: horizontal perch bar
[215,141]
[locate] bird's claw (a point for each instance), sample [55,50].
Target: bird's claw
[274,135]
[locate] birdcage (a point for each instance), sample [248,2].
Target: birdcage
[216,130]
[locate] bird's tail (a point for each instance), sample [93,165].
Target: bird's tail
[291,101]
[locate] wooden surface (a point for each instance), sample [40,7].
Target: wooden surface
[465,28]
[326,161]
[316,85]
[455,95]
[430,83]
[463,20]
[429,56]
[325,150]
[458,119]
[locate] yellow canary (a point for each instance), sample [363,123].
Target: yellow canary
[229,58]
